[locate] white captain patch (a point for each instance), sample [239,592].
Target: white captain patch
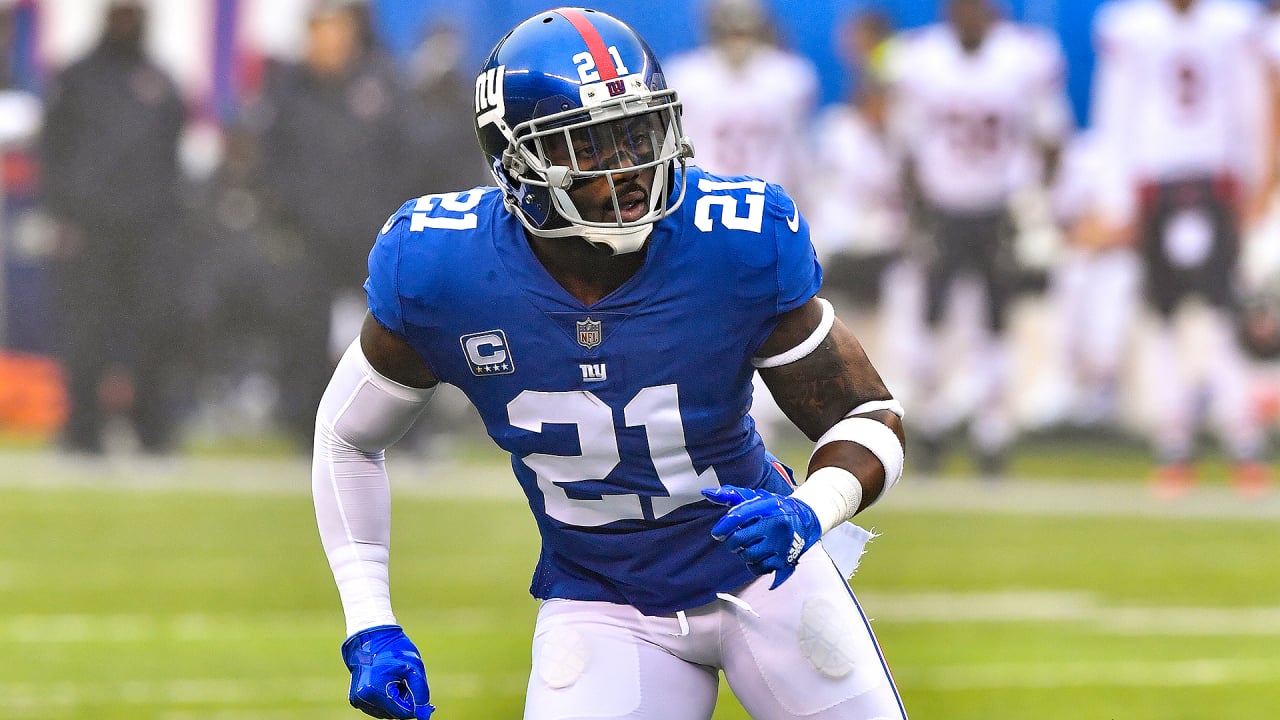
[488,353]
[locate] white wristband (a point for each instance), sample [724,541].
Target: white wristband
[834,494]
[810,343]
[874,436]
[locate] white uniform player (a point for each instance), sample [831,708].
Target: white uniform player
[859,225]
[1178,104]
[1261,259]
[748,103]
[1094,287]
[980,109]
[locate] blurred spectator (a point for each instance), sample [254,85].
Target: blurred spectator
[447,136]
[111,181]
[1177,105]
[237,296]
[20,111]
[6,46]
[858,221]
[333,133]
[979,107]
[747,102]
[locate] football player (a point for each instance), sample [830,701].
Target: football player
[747,103]
[979,104]
[859,222]
[1177,106]
[1093,288]
[604,306]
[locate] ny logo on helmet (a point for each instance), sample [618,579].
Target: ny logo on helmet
[490,105]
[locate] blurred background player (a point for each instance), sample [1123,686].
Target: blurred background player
[1094,288]
[111,182]
[1179,106]
[1260,256]
[746,99]
[980,114]
[748,102]
[866,45]
[858,220]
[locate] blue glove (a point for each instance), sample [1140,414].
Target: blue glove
[387,677]
[768,531]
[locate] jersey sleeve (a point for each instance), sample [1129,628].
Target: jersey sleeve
[383,284]
[799,274]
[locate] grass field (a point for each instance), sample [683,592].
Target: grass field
[196,589]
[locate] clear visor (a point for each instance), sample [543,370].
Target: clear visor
[609,146]
[627,146]
[623,134]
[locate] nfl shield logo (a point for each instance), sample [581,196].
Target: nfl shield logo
[588,333]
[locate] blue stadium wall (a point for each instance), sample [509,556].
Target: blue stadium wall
[809,26]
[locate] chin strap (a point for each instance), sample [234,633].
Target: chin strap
[621,243]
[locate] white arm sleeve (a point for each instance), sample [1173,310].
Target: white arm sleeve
[361,414]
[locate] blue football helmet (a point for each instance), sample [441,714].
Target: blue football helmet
[569,97]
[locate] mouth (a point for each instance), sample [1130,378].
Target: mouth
[633,204]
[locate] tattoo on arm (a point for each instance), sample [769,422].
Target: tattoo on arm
[816,391]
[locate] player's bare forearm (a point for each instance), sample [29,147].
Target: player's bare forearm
[822,388]
[819,389]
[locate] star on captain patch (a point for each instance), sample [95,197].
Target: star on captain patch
[588,333]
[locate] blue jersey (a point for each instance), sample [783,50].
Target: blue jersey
[618,413]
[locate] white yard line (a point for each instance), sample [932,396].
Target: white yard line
[1071,499]
[128,628]
[1085,611]
[416,477]
[1079,608]
[206,697]
[21,699]
[1103,673]
[239,476]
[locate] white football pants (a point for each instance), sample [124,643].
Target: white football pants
[804,650]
